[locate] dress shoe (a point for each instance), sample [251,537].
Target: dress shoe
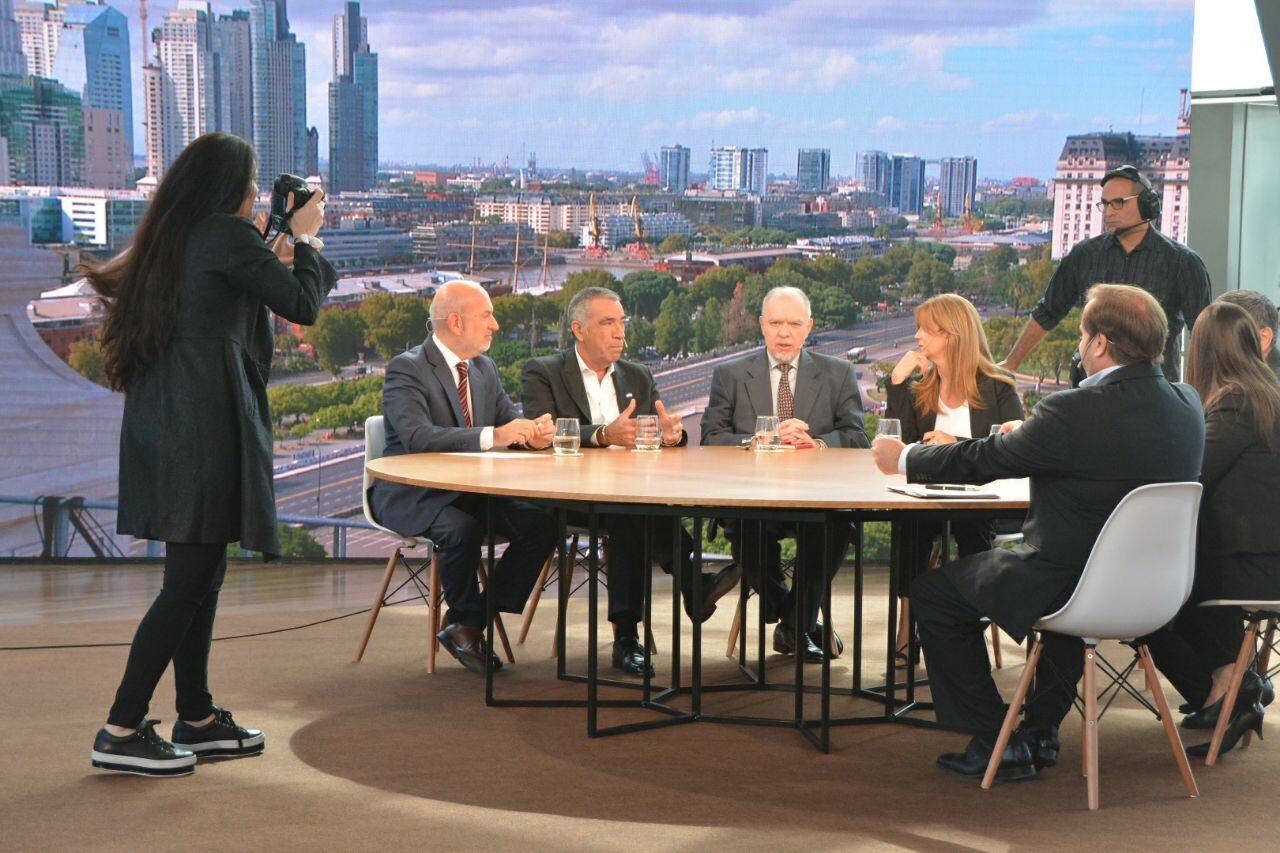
[468,647]
[820,638]
[1248,719]
[784,642]
[1015,765]
[1043,743]
[1252,689]
[628,656]
[715,585]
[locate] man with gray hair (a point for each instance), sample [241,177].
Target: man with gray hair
[591,381]
[1266,316]
[816,400]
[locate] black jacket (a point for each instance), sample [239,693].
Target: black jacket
[552,385]
[195,443]
[1084,449]
[1241,477]
[1000,401]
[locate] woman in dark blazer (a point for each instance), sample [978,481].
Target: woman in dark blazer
[187,338]
[1238,540]
[948,389]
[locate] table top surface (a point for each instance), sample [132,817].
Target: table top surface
[829,478]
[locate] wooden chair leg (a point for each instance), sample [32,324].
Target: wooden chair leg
[497,620]
[995,646]
[735,629]
[1170,730]
[1247,650]
[648,638]
[1011,718]
[377,602]
[434,616]
[1264,663]
[531,606]
[570,564]
[1091,726]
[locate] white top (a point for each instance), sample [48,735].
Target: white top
[602,394]
[486,433]
[954,421]
[775,376]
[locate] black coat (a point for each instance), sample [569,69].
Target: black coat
[1084,450]
[552,385]
[1238,545]
[195,443]
[1000,404]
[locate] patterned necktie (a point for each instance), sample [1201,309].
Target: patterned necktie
[785,402]
[462,392]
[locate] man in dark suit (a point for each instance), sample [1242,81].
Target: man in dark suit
[445,396]
[1264,313]
[1084,450]
[816,400]
[591,381]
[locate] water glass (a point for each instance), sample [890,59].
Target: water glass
[648,433]
[889,428]
[767,438]
[568,437]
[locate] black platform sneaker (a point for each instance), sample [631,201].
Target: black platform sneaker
[142,752]
[220,737]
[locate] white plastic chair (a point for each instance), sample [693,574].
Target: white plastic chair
[375,444]
[1256,612]
[1138,575]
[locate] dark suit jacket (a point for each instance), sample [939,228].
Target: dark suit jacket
[1273,359]
[1000,402]
[423,415]
[553,385]
[826,398]
[1084,449]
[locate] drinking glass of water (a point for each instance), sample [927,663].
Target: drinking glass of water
[889,428]
[648,433]
[767,437]
[568,437]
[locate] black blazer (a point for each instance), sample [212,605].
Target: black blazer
[423,415]
[1084,449]
[552,385]
[1241,477]
[1000,401]
[195,443]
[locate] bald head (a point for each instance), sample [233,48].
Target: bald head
[462,317]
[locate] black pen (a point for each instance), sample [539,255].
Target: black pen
[947,488]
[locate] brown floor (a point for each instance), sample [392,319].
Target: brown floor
[381,755]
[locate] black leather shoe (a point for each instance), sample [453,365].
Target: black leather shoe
[1248,719]
[715,585]
[628,656]
[784,642]
[820,638]
[142,752]
[1252,689]
[1015,765]
[1043,743]
[468,647]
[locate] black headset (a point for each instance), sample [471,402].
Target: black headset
[1148,198]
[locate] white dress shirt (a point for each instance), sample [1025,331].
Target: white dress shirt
[954,421]
[486,433]
[1095,378]
[602,395]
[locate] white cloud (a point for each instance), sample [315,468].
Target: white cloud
[889,124]
[750,117]
[1024,121]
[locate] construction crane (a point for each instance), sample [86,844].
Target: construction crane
[595,249]
[515,266]
[651,175]
[638,250]
[972,224]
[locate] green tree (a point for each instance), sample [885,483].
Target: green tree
[1000,258]
[643,291]
[393,323]
[1001,334]
[640,334]
[708,329]
[561,240]
[337,336]
[674,243]
[740,322]
[1009,208]
[929,277]
[673,330]
[296,543]
[86,358]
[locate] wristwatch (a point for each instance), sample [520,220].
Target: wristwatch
[309,240]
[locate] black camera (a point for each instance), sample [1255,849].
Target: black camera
[280,210]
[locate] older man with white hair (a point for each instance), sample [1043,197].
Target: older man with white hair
[817,402]
[446,395]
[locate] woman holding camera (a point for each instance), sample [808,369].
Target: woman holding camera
[187,338]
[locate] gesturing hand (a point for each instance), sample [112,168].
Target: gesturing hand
[885,451]
[937,436]
[622,432]
[544,430]
[671,425]
[911,361]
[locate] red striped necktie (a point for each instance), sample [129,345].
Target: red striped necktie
[463,395]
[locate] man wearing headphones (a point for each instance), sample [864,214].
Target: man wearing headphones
[1131,252]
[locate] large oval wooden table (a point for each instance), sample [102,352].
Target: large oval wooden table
[824,486]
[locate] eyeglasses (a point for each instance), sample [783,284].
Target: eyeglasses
[1113,203]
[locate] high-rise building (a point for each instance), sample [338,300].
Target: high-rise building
[181,88]
[673,168]
[313,153]
[279,92]
[39,25]
[92,58]
[42,124]
[905,189]
[872,172]
[1085,158]
[234,72]
[813,169]
[958,185]
[353,105]
[12,59]
[739,169]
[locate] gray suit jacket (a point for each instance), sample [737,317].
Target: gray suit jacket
[826,398]
[423,415]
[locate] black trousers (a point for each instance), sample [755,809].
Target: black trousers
[1198,641]
[177,627]
[459,533]
[764,571]
[915,543]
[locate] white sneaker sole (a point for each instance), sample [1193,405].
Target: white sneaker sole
[143,766]
[209,748]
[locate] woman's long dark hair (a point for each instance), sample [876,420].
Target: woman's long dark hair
[212,175]
[1224,358]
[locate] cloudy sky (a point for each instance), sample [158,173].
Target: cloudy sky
[593,84]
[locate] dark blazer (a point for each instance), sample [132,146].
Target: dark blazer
[1084,449]
[826,398]
[1000,404]
[423,415]
[552,385]
[195,442]
[1238,545]
[1273,359]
